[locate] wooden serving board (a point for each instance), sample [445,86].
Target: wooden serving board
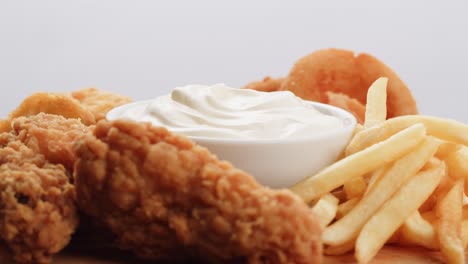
[390,255]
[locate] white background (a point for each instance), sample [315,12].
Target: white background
[145,48]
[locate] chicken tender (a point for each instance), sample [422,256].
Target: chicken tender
[99,102]
[165,197]
[37,208]
[57,104]
[5,125]
[51,135]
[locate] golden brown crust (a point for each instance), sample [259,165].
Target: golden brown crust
[51,135]
[5,125]
[99,102]
[56,104]
[341,71]
[268,84]
[328,70]
[37,210]
[163,196]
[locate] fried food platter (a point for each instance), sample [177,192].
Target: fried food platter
[396,194]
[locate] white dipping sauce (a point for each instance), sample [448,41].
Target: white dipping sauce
[222,112]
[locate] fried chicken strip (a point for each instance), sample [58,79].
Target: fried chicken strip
[165,197]
[37,209]
[50,103]
[5,125]
[51,135]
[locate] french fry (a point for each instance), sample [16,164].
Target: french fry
[360,163]
[457,164]
[393,213]
[449,213]
[376,176]
[325,209]
[445,184]
[432,162]
[464,233]
[446,148]
[418,231]
[358,129]
[376,107]
[355,187]
[444,129]
[348,227]
[347,206]
[373,135]
[340,249]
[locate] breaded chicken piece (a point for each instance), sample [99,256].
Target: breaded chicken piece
[99,102]
[56,104]
[37,208]
[5,125]
[51,135]
[165,197]
[268,84]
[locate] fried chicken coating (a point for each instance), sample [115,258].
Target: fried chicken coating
[56,104]
[341,71]
[268,84]
[53,136]
[37,203]
[329,70]
[99,102]
[165,197]
[5,125]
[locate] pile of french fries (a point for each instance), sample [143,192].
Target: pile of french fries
[400,181]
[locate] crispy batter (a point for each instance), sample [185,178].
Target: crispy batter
[51,135]
[164,196]
[268,84]
[329,70]
[57,104]
[349,104]
[37,210]
[341,71]
[5,125]
[99,102]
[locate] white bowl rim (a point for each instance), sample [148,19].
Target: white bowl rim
[346,117]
